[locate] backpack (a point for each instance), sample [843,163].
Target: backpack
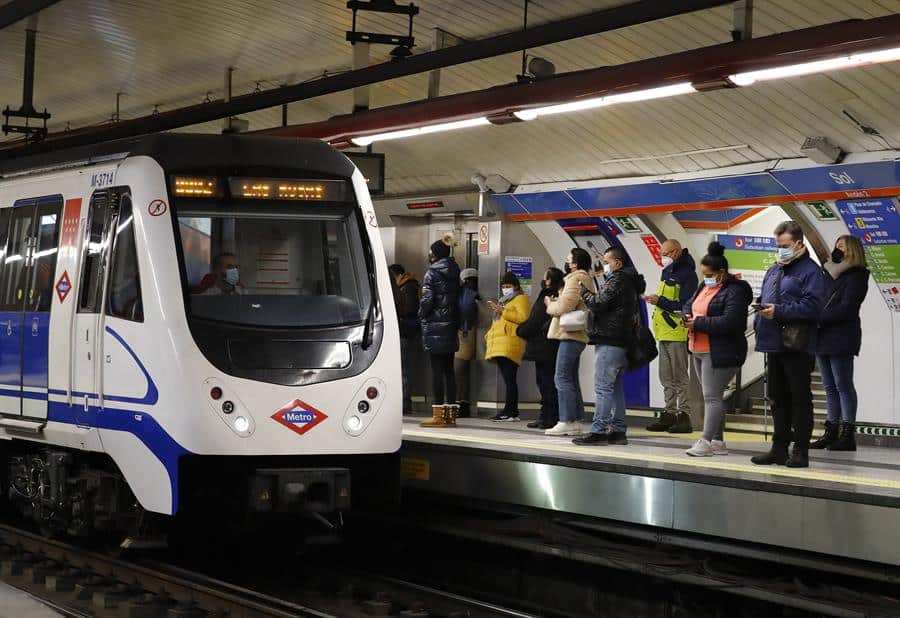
[468,309]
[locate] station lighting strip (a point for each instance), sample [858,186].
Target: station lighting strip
[738,79]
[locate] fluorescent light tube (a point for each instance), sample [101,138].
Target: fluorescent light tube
[817,66]
[595,102]
[365,140]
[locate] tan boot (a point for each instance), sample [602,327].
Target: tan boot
[437,417]
[451,414]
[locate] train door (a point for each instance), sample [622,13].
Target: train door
[94,260]
[29,266]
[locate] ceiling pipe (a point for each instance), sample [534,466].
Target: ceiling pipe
[631,14]
[706,67]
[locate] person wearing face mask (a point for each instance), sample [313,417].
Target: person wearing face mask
[227,276]
[468,325]
[840,339]
[789,308]
[716,318]
[504,346]
[439,317]
[677,285]
[543,350]
[613,309]
[572,341]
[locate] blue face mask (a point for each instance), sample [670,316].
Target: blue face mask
[232,276]
[785,253]
[710,282]
[607,270]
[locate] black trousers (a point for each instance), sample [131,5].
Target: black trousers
[791,395]
[509,370]
[443,379]
[544,372]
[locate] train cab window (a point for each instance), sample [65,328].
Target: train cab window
[124,288]
[94,252]
[279,267]
[40,286]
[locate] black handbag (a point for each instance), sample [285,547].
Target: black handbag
[794,335]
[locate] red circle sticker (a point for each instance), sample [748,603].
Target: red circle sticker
[157,208]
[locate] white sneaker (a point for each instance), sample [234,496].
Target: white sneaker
[563,428]
[702,448]
[718,447]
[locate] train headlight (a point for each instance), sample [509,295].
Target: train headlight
[241,424]
[354,423]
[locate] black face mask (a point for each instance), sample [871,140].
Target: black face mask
[837,256]
[566,268]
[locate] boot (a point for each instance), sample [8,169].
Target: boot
[799,458]
[438,417]
[665,420]
[682,424]
[465,410]
[846,440]
[778,455]
[828,438]
[451,412]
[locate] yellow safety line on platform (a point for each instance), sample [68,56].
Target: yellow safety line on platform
[715,463]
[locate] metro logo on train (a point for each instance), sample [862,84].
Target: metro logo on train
[299,417]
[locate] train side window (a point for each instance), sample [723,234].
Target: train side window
[91,286]
[18,238]
[124,288]
[46,233]
[4,225]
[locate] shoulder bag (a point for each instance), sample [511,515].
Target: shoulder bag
[641,348]
[794,335]
[574,320]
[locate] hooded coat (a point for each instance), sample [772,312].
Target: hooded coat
[726,322]
[439,307]
[502,339]
[614,307]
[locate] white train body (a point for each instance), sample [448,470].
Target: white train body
[302,350]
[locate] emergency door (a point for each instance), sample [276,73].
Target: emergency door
[28,269]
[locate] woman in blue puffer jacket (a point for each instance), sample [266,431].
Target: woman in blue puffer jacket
[439,316]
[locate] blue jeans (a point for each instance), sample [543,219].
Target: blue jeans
[571,403]
[609,384]
[837,376]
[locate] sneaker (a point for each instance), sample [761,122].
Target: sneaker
[562,428]
[718,447]
[592,439]
[701,448]
[503,417]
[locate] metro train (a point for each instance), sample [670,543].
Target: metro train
[193,323]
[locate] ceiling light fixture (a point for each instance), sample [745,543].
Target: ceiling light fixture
[817,66]
[365,140]
[595,102]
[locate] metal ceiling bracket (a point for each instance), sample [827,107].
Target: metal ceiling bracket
[27,111]
[742,20]
[403,43]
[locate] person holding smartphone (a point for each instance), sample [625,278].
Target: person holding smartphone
[504,346]
[716,320]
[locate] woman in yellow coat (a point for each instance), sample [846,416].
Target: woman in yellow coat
[503,345]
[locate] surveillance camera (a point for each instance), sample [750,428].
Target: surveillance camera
[479,181]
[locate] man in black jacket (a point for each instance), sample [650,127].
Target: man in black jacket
[613,311]
[408,318]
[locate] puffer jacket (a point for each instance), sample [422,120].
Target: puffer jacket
[569,300]
[840,329]
[538,347]
[725,322]
[501,338]
[614,307]
[439,308]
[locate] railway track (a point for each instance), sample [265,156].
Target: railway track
[76,581]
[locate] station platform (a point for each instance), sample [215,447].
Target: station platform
[15,603]
[845,505]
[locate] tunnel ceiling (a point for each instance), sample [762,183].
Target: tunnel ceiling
[172,54]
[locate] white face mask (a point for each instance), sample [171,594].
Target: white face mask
[507,292]
[667,261]
[607,269]
[785,253]
[710,282]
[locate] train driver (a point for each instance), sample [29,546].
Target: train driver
[225,278]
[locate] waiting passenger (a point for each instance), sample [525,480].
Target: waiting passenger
[226,278]
[840,338]
[569,326]
[613,310]
[408,318]
[439,316]
[717,320]
[790,306]
[468,325]
[504,346]
[677,286]
[543,350]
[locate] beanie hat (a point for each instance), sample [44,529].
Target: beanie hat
[439,249]
[467,273]
[509,279]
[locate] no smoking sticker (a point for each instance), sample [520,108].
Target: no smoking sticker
[157,208]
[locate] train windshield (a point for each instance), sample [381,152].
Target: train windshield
[268,265]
